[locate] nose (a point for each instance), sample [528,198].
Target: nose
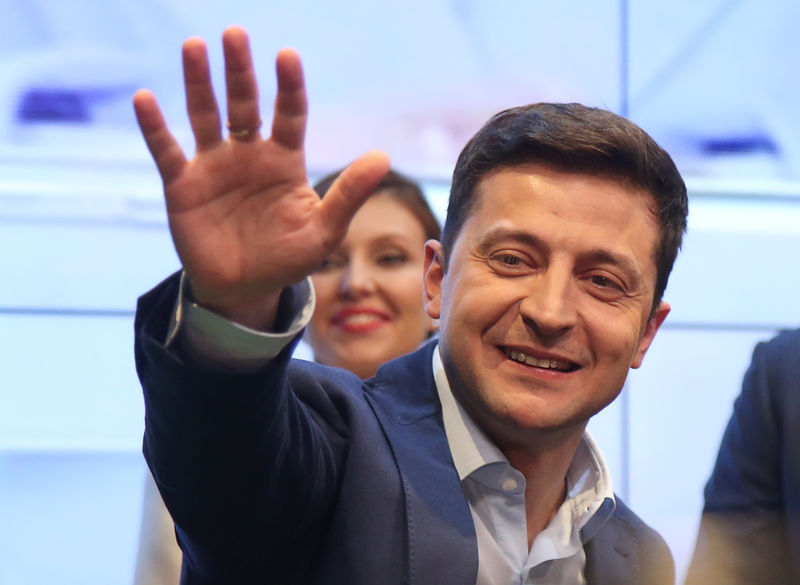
[358,279]
[550,309]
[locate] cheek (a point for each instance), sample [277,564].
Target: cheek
[404,289]
[614,334]
[316,335]
[316,325]
[326,289]
[484,305]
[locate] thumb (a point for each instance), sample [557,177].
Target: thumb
[353,186]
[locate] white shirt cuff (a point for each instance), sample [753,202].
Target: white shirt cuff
[206,337]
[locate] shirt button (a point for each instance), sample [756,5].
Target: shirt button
[509,484]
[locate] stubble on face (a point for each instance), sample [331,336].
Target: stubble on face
[578,260]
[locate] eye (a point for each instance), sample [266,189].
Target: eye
[603,281]
[509,263]
[391,259]
[606,287]
[510,259]
[332,262]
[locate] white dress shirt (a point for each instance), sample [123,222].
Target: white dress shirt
[494,490]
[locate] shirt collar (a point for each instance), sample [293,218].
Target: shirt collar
[469,445]
[588,476]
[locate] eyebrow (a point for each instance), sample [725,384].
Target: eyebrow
[393,239]
[503,233]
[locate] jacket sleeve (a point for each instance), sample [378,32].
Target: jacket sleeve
[742,534]
[246,464]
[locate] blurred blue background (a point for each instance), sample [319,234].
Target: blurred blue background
[83,230]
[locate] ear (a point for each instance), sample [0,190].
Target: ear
[434,274]
[650,330]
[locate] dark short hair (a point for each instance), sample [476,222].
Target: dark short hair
[579,139]
[405,191]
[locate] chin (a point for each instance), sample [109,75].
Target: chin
[545,417]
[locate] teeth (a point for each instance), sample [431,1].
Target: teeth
[361,318]
[550,364]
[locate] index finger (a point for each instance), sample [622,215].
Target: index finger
[291,102]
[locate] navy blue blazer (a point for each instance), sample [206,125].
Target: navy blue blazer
[299,473]
[750,528]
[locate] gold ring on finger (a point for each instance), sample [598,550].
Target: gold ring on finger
[243,133]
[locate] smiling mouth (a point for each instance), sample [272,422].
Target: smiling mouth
[359,322]
[545,363]
[360,319]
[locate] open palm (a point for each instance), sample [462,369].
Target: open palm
[243,216]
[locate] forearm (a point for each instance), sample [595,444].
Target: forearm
[747,472]
[742,534]
[236,455]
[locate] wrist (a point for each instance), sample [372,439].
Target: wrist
[257,311]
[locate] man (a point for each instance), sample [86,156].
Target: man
[464,462]
[750,526]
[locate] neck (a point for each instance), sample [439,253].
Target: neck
[545,470]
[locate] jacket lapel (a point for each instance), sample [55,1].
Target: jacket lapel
[610,554]
[442,547]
